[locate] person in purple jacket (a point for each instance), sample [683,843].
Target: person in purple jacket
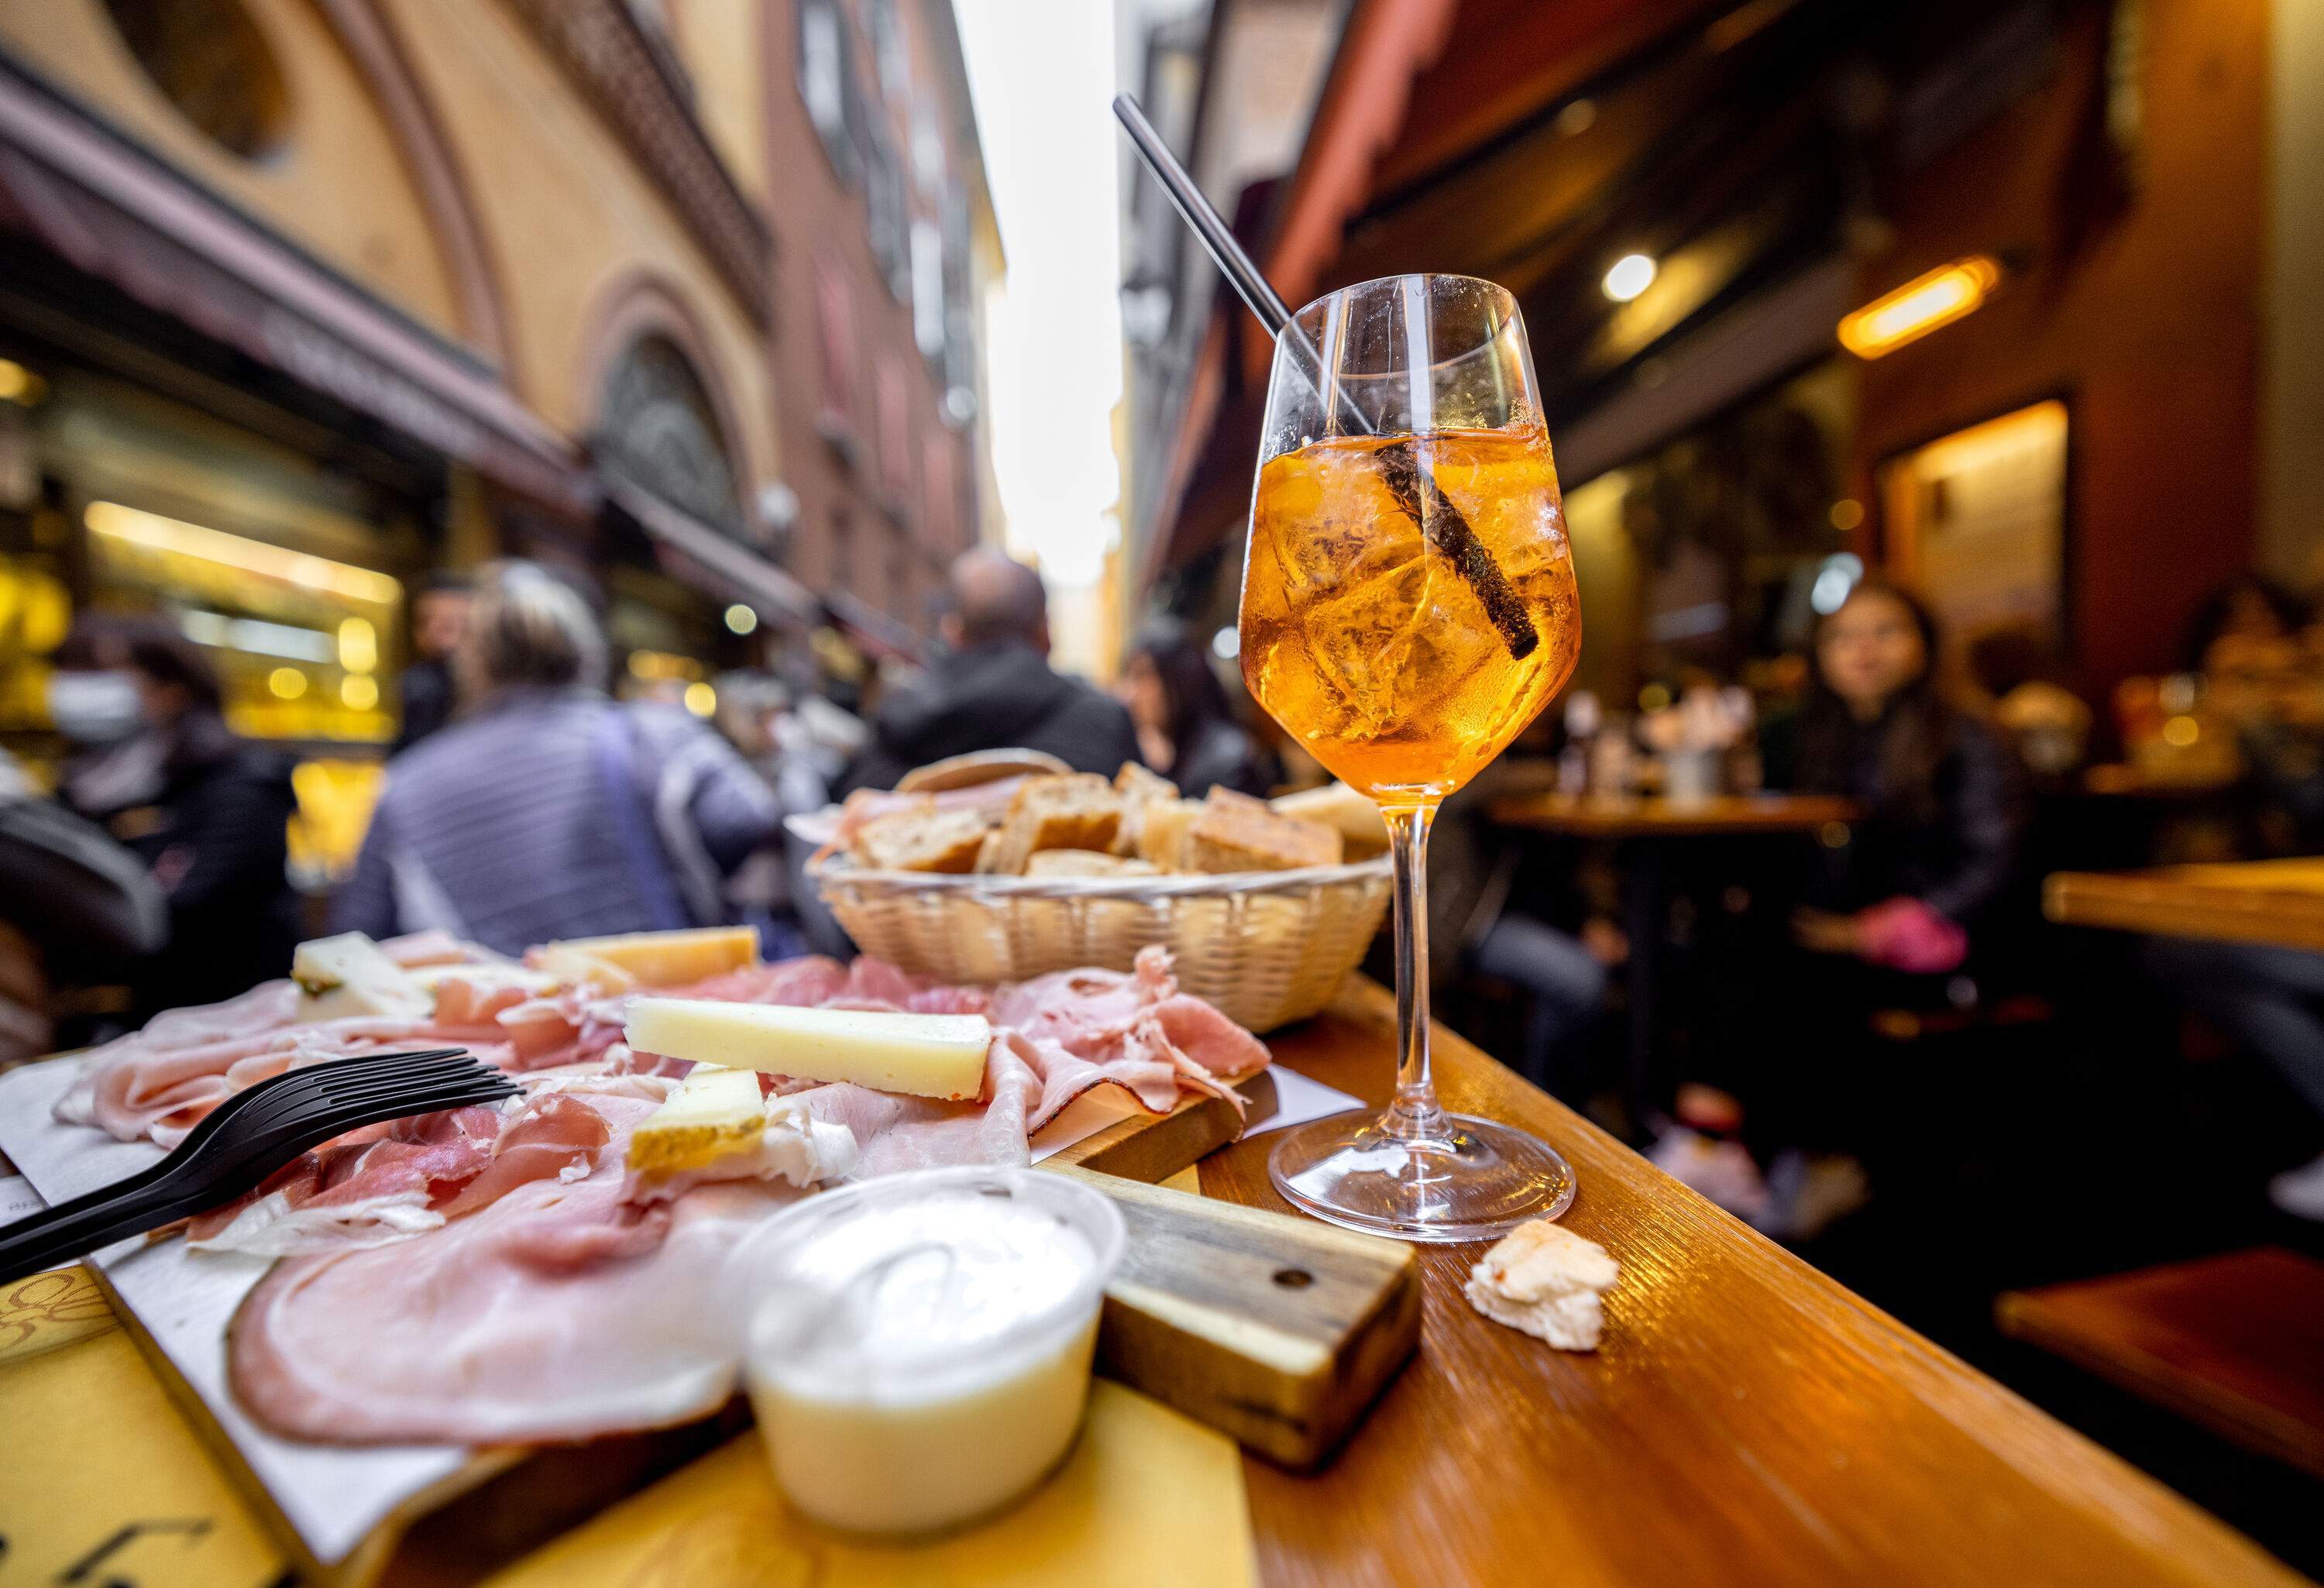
[550,810]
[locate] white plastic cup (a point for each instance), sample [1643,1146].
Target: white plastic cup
[920,1344]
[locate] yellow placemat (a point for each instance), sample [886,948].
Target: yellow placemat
[1147,1498]
[101,1480]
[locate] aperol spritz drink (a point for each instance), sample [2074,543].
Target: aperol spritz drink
[1363,635]
[1408,608]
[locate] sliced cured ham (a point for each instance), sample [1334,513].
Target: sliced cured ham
[560,1312]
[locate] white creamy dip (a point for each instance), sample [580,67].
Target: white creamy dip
[921,1354]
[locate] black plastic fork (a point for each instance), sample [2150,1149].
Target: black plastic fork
[247,1138]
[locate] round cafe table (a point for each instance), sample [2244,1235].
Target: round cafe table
[1642,826]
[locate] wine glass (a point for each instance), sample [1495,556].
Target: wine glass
[1408,608]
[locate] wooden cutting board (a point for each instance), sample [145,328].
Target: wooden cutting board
[384,1514]
[1279,1331]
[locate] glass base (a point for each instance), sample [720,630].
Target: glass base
[1470,1180]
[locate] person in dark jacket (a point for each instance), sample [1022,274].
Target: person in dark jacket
[154,764]
[996,690]
[1186,729]
[439,616]
[1910,885]
[548,810]
[1891,908]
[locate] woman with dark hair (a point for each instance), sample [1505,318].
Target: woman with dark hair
[1908,885]
[1186,729]
[156,765]
[1888,903]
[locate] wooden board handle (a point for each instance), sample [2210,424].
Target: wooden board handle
[1279,1331]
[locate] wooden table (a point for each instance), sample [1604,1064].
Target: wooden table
[2234,1343]
[1591,816]
[2277,902]
[1747,1421]
[1639,824]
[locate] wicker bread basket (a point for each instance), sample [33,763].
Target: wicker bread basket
[1267,948]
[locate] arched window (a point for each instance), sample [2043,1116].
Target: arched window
[659,430]
[210,61]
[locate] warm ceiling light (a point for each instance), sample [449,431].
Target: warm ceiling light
[701,699]
[287,682]
[358,692]
[15,380]
[1920,306]
[740,619]
[258,557]
[1631,274]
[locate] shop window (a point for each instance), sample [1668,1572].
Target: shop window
[826,81]
[888,58]
[210,61]
[886,214]
[657,431]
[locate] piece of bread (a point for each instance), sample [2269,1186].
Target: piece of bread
[1078,811]
[1162,828]
[1084,862]
[922,841]
[979,766]
[1139,789]
[1336,805]
[1236,833]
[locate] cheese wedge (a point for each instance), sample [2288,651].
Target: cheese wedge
[578,967]
[670,959]
[348,975]
[919,1055]
[714,1112]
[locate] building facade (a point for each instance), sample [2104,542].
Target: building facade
[303,298]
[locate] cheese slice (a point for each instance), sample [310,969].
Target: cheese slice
[920,1054]
[714,1112]
[670,959]
[348,975]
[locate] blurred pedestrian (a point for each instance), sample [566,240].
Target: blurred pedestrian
[154,764]
[1186,731]
[75,909]
[997,689]
[548,810]
[439,616]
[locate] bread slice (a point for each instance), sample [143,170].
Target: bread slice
[1236,833]
[1336,805]
[1084,862]
[1162,828]
[1139,789]
[922,841]
[1079,811]
[978,766]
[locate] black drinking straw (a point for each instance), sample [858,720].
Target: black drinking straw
[1409,479]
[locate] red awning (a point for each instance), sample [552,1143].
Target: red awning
[116,211]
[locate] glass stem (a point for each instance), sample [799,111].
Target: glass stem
[1414,1113]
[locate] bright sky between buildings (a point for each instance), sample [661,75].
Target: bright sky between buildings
[1041,72]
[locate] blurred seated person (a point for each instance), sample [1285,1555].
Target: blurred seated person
[76,910]
[1889,914]
[1186,731]
[2250,609]
[439,615]
[1478,922]
[2270,1000]
[1934,853]
[550,810]
[153,764]
[996,690]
